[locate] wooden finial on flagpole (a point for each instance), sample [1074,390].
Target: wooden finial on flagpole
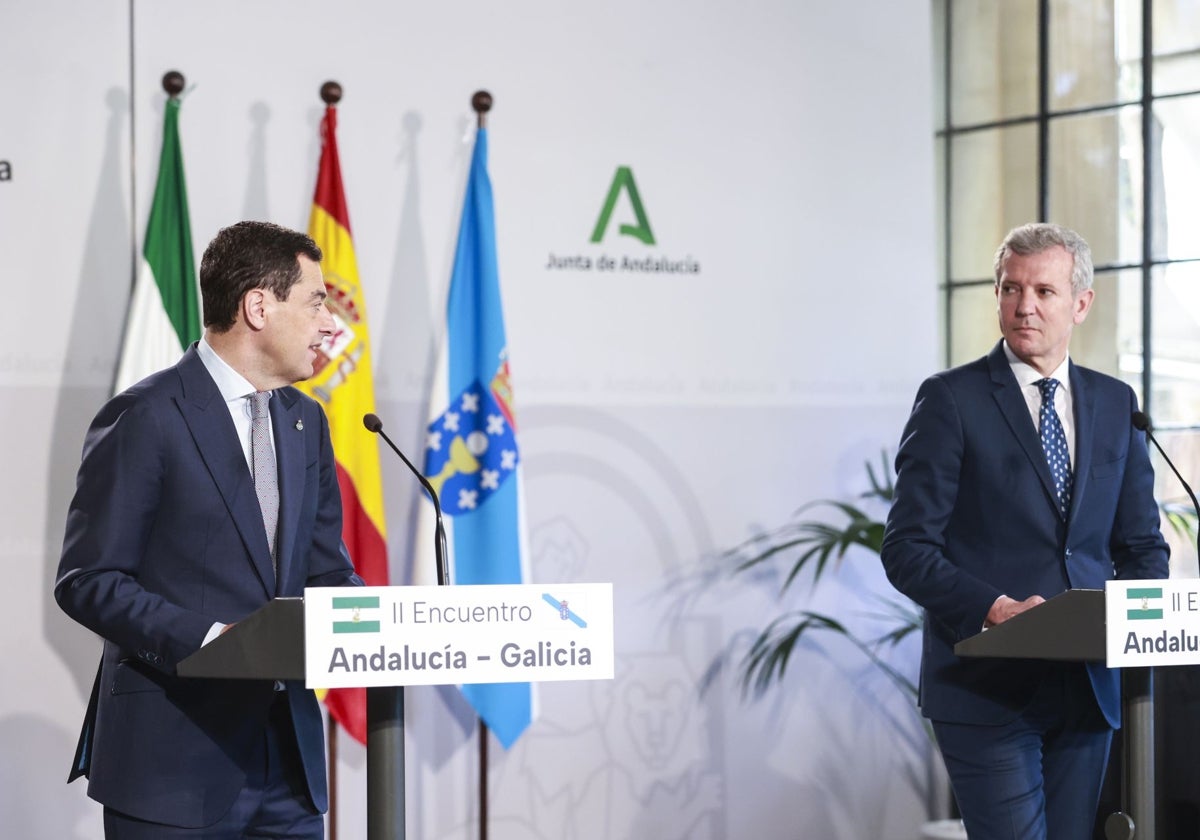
[173,82]
[482,103]
[331,93]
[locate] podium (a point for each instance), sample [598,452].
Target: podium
[269,644]
[1071,627]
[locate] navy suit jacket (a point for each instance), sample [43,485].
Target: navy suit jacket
[164,537]
[974,518]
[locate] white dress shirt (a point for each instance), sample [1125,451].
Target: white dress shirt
[1028,377]
[236,390]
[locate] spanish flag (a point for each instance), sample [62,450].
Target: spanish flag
[342,382]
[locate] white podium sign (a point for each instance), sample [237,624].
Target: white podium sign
[1152,622]
[454,635]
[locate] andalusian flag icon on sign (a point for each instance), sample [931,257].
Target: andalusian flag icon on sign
[1150,603]
[355,622]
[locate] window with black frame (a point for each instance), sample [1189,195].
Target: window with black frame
[1087,113]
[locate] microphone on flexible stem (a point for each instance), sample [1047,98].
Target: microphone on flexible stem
[374,424]
[1141,422]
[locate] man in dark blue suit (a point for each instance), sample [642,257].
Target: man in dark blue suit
[1011,489]
[168,544]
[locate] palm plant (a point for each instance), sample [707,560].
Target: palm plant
[819,545]
[1181,516]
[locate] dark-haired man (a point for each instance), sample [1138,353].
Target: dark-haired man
[1019,476]
[204,491]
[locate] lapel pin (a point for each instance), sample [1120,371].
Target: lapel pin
[299,425]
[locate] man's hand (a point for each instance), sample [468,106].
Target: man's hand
[1005,608]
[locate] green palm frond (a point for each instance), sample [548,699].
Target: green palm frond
[883,486]
[814,542]
[818,542]
[1182,519]
[767,659]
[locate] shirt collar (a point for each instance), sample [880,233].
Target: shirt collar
[1027,375]
[230,383]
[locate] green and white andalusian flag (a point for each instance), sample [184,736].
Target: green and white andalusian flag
[164,314]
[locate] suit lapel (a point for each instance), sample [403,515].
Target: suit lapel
[1084,401]
[1011,402]
[216,440]
[289,453]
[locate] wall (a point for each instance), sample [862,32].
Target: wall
[782,148]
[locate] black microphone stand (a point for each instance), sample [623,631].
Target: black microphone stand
[385,704]
[1141,422]
[374,424]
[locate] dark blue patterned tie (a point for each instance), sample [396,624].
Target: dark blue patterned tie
[1054,443]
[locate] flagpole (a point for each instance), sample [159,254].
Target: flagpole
[331,94]
[384,733]
[481,101]
[173,83]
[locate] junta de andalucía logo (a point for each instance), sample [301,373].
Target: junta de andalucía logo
[622,224]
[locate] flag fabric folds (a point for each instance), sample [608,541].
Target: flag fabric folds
[164,312]
[471,454]
[342,383]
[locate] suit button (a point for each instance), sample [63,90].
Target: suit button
[1068,553]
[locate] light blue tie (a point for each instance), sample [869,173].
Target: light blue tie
[1054,443]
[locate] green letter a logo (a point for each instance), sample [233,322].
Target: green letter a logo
[624,180]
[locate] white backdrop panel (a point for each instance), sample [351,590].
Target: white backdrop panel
[66,246]
[784,147]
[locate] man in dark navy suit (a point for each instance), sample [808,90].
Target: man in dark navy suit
[206,490]
[1019,476]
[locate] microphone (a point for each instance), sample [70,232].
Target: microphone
[1141,422]
[375,425]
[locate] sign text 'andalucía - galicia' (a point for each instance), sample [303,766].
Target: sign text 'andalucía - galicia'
[431,635]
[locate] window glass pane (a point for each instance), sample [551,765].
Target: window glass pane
[1176,46]
[973,325]
[1175,348]
[1110,339]
[1176,178]
[1095,181]
[1095,52]
[939,153]
[1183,448]
[993,53]
[939,64]
[993,178]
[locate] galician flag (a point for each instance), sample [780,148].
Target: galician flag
[164,313]
[471,454]
[342,383]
